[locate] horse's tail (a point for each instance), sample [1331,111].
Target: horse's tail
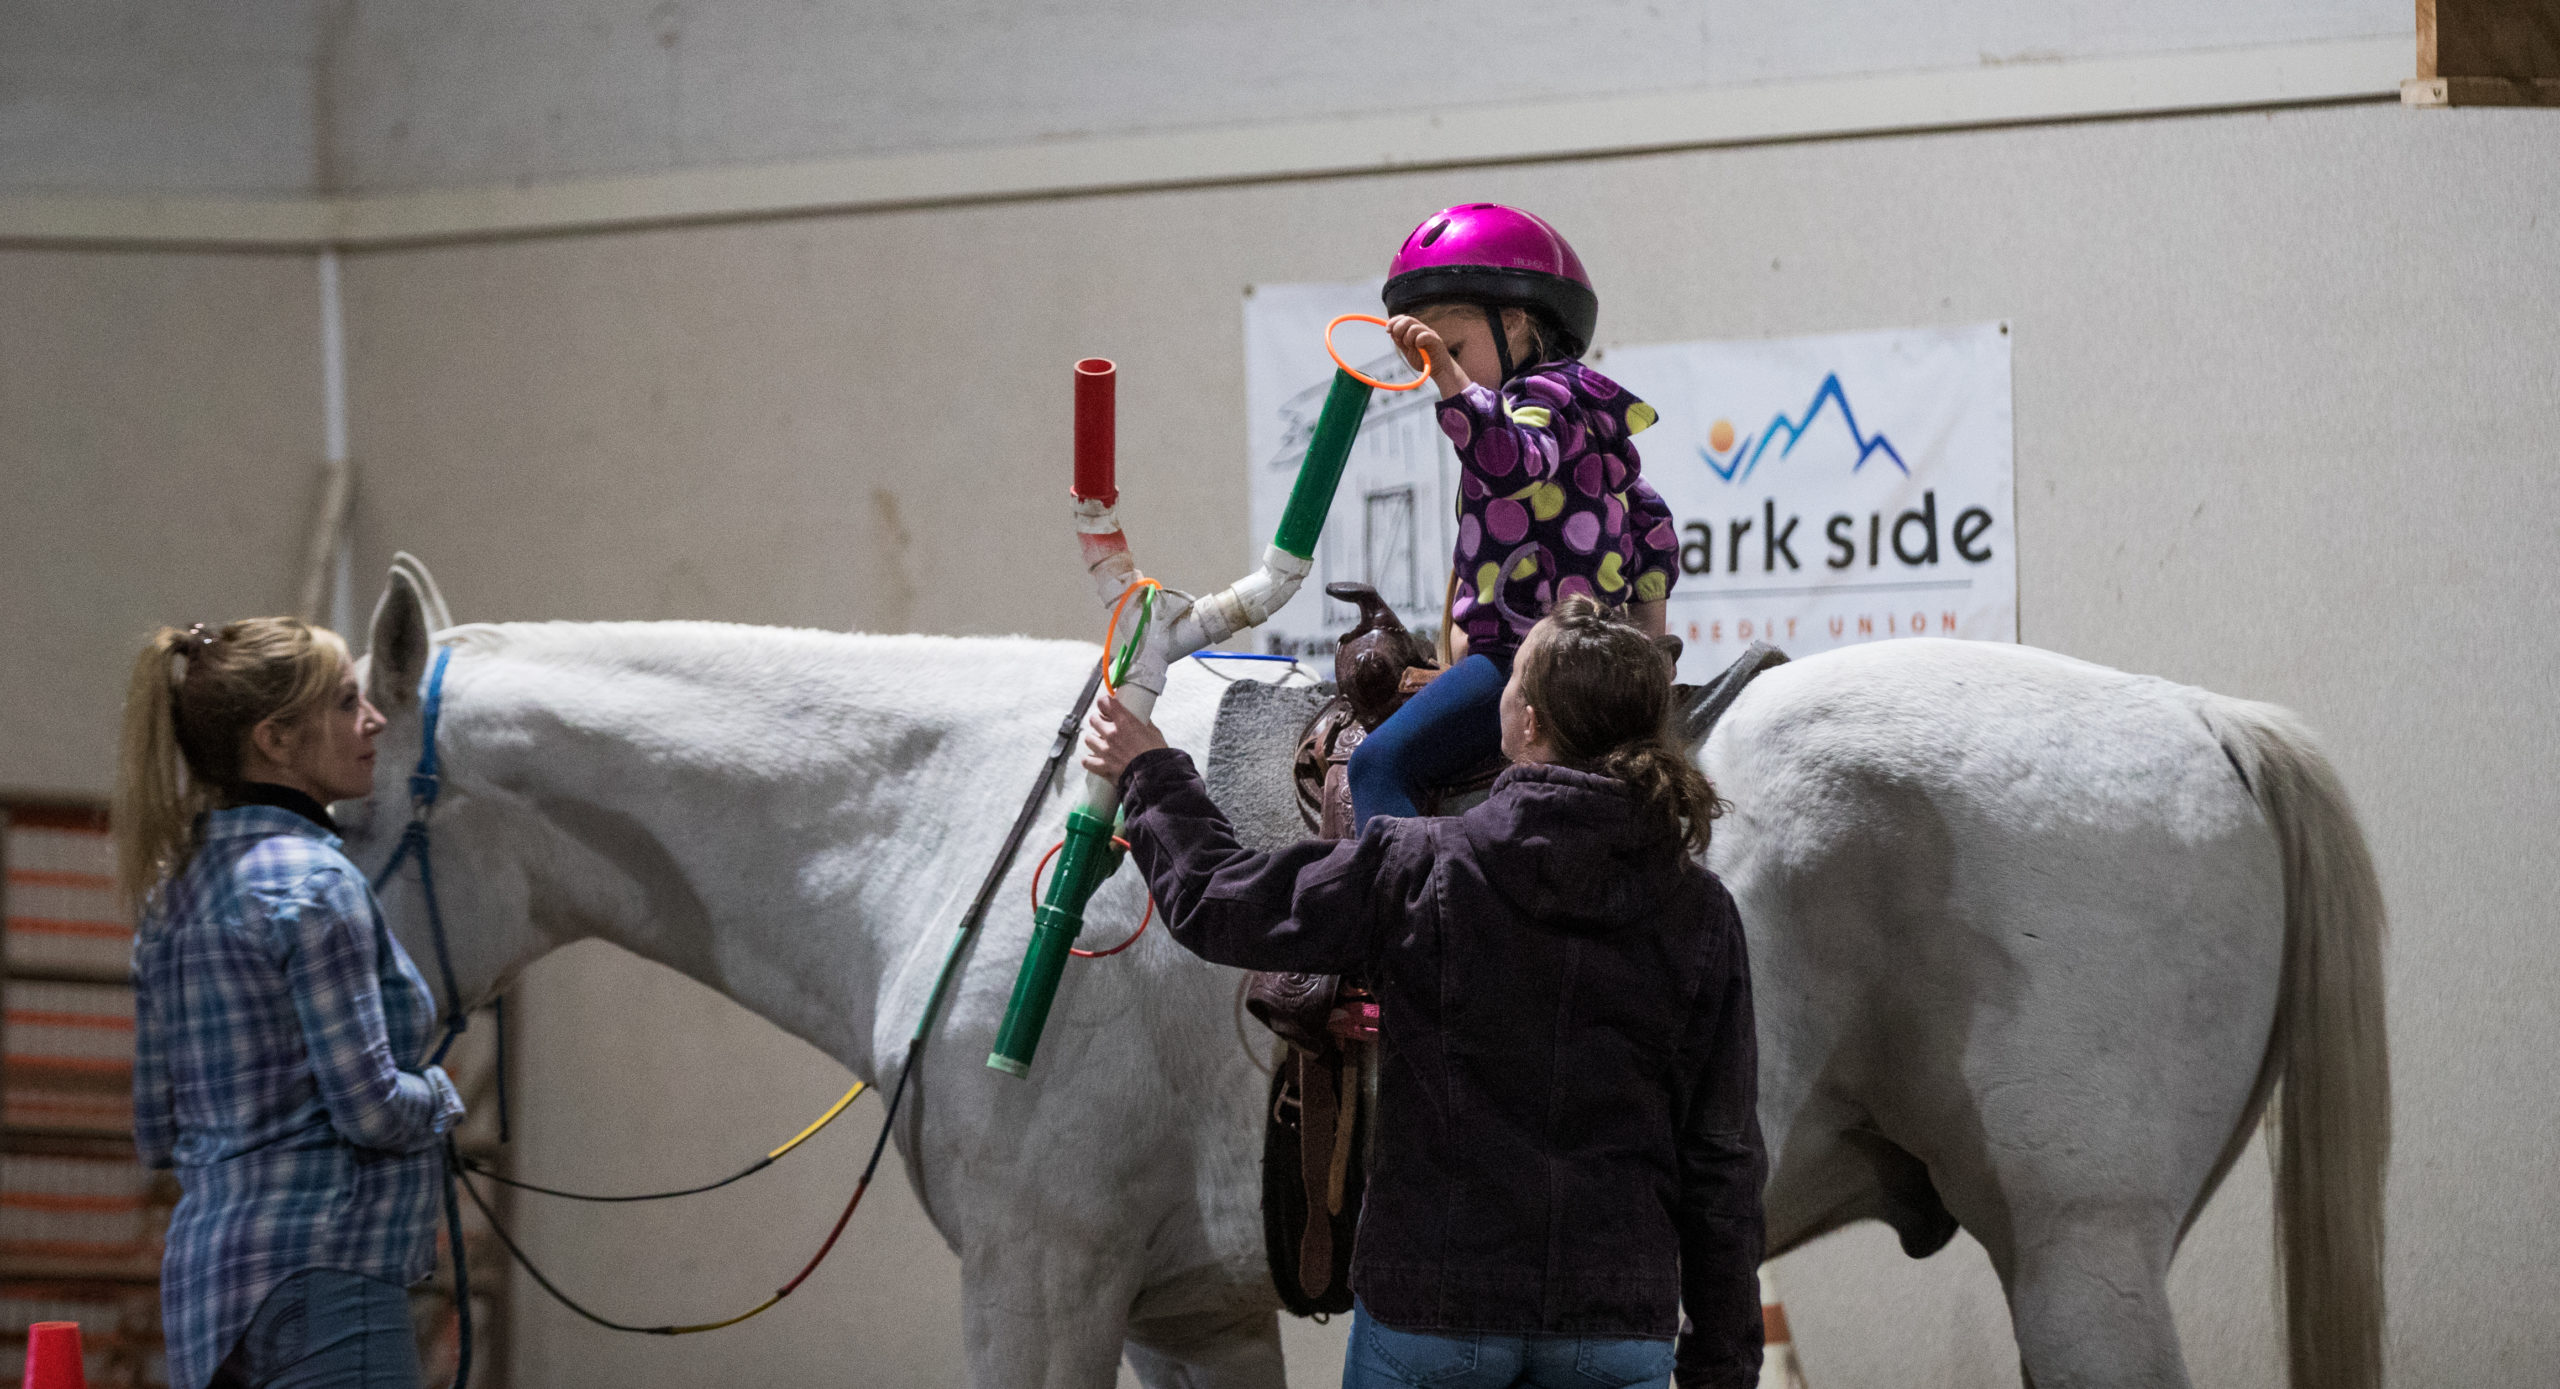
[2331,1125]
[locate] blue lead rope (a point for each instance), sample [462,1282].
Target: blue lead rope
[1206,656]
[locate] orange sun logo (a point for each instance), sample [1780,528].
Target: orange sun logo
[1720,435]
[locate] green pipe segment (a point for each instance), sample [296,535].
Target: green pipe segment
[1087,860]
[1327,452]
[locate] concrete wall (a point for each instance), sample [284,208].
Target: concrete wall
[485,91]
[151,96]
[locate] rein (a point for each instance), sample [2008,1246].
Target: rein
[425,785]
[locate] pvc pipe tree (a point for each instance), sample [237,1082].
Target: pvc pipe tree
[1172,625]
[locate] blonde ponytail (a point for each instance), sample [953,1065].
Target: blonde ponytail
[1602,692]
[192,699]
[155,801]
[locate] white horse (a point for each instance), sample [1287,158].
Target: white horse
[2033,941]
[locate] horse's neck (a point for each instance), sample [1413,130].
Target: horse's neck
[787,817]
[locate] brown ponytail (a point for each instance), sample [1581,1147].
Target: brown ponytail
[188,708]
[1602,692]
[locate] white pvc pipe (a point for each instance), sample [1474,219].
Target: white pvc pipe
[1182,625]
[327,567]
[333,361]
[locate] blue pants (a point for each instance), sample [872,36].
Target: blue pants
[1452,725]
[1384,1358]
[326,1329]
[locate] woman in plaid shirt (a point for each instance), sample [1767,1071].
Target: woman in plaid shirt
[280,1030]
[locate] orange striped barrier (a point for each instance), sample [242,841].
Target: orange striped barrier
[1779,1368]
[60,926]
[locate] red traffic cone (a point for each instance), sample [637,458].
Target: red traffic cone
[53,1357]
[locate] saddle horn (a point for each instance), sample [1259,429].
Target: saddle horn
[1370,661]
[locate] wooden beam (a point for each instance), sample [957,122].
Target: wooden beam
[2480,91]
[2486,53]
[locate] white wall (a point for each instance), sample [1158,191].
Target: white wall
[160,96]
[488,91]
[159,463]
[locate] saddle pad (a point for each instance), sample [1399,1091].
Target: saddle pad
[1250,752]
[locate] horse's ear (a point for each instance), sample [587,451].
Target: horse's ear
[398,651]
[439,616]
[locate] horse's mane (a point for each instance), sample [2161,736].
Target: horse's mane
[776,669]
[671,645]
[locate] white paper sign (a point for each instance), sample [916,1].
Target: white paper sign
[1829,490]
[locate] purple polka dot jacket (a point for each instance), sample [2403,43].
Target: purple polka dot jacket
[1552,502]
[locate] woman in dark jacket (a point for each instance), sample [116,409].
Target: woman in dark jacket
[1568,1154]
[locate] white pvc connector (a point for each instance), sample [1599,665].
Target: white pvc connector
[1105,549]
[1182,624]
[1095,517]
[1241,606]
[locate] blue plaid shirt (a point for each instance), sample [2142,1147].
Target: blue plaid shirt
[279,1031]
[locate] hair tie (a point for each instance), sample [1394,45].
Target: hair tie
[203,635]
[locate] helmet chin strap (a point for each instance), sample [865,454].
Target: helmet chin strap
[1501,344]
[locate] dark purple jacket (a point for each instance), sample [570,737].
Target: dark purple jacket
[1567,1141]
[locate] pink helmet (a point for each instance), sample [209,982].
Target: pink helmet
[1485,253]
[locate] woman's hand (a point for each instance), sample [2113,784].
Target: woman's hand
[1114,737]
[1415,338]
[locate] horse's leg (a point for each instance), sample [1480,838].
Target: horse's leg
[1077,1200]
[1209,1350]
[1037,1315]
[2089,1298]
[1045,1217]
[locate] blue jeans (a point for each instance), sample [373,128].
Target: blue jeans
[1384,1358]
[324,1328]
[1452,725]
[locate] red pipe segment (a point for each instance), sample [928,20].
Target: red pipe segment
[1096,387]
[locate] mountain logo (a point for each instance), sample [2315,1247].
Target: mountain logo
[1741,455]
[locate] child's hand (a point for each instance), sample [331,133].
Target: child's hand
[1414,338]
[1114,737]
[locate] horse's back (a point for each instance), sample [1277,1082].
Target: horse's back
[2003,905]
[2020,734]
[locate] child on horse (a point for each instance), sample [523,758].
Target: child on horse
[1552,501]
[1568,1153]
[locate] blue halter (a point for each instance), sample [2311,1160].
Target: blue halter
[424,785]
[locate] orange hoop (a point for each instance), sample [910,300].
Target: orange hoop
[1353,373]
[1111,630]
[1092,954]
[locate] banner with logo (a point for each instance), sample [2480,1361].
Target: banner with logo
[1835,489]
[1828,490]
